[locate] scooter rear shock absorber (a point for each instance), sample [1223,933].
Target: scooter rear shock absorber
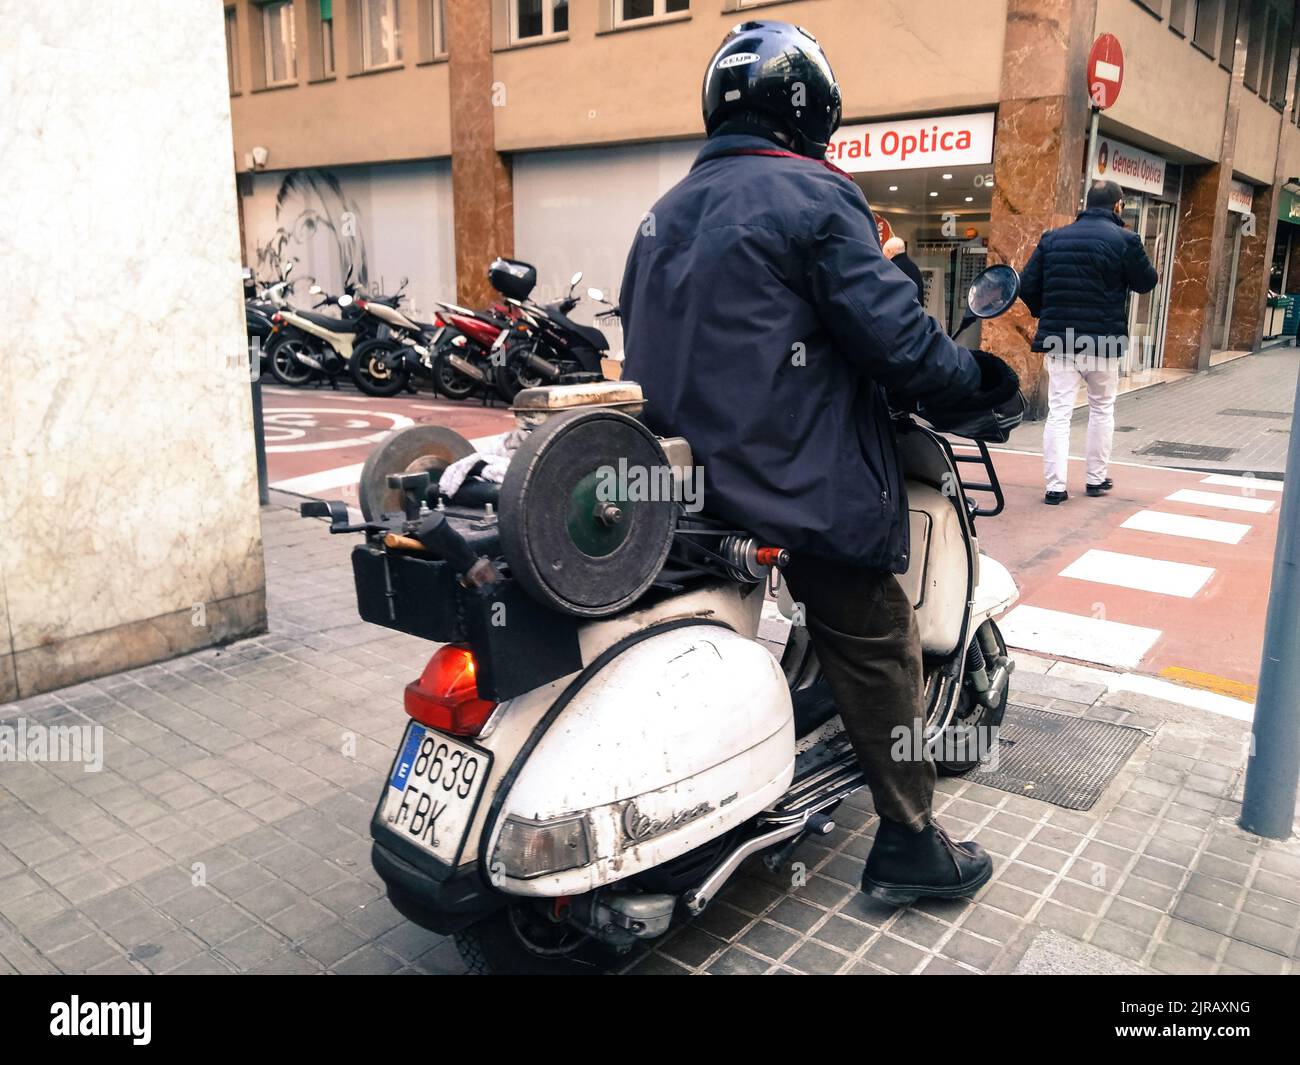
[747,561]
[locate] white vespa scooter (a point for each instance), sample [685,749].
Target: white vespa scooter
[603,741]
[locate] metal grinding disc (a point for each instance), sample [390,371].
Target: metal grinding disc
[415,449]
[578,537]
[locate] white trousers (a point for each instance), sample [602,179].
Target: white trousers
[1063,384]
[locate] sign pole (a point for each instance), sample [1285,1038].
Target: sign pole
[1092,155]
[1268,805]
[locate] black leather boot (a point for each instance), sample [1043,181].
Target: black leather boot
[904,866]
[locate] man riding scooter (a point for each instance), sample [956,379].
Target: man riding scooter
[765,324]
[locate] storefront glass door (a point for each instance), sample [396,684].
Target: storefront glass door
[1153,220]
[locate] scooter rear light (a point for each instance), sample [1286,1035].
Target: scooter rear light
[446,695]
[276,318]
[361,304]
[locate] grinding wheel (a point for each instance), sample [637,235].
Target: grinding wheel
[576,537]
[415,449]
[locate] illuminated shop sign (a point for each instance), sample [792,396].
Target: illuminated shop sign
[1130,167]
[1241,197]
[914,143]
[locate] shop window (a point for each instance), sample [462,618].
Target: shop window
[381,34]
[1205,34]
[1228,38]
[279,44]
[634,11]
[537,19]
[433,30]
[1156,7]
[232,50]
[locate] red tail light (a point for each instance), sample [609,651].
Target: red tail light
[361,303]
[446,695]
[276,318]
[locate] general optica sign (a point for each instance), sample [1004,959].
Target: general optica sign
[1130,167]
[914,143]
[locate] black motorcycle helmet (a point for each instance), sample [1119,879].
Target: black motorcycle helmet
[779,72]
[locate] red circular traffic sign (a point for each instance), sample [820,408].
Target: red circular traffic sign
[1105,71]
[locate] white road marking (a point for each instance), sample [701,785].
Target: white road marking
[1259,484]
[311,483]
[1161,521]
[1222,500]
[1140,573]
[1054,632]
[288,416]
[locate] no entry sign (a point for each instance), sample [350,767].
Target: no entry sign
[1105,71]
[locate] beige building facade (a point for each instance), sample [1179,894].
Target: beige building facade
[381,139]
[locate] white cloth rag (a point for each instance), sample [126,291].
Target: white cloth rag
[495,452]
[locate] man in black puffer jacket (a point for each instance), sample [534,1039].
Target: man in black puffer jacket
[1077,284]
[764,324]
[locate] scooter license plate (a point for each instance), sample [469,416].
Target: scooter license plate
[434,790]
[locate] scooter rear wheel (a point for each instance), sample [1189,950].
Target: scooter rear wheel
[494,947]
[371,370]
[285,367]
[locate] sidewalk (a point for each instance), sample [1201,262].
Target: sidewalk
[1240,411]
[227,831]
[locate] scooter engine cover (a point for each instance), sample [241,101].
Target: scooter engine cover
[415,449]
[585,521]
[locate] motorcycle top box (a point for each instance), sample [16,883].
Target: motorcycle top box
[513,278]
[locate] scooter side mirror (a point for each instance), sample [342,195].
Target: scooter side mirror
[345,300]
[993,291]
[573,281]
[288,270]
[596,294]
[315,290]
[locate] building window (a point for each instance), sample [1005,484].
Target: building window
[1205,34]
[534,19]
[327,38]
[1228,42]
[278,43]
[628,11]
[1256,44]
[1178,12]
[232,50]
[439,27]
[1282,56]
[381,35]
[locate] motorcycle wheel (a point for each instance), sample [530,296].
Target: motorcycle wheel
[370,373]
[509,381]
[968,717]
[450,381]
[285,368]
[495,946]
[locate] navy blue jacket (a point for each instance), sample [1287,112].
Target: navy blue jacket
[1079,278]
[762,320]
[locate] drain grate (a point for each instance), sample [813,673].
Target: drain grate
[1067,761]
[1242,412]
[1172,449]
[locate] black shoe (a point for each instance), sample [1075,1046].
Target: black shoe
[1100,489]
[904,866]
[1054,498]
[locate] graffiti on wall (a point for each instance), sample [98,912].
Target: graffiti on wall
[311,204]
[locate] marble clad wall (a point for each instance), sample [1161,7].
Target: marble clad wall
[483,197]
[1039,147]
[128,480]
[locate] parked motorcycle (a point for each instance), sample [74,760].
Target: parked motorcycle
[602,741]
[543,344]
[314,344]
